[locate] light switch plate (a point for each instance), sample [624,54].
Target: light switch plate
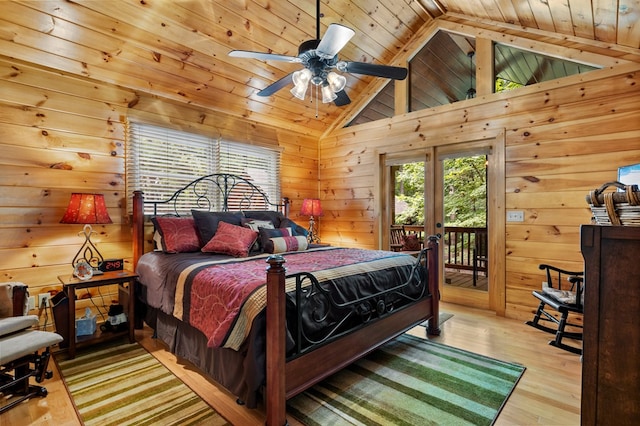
[515,216]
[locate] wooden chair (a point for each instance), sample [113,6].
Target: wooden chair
[557,301]
[396,237]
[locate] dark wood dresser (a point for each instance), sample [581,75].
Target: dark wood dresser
[611,345]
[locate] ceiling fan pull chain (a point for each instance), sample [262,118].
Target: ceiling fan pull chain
[316,90]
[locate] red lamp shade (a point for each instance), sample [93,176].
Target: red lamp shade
[86,209]
[311,207]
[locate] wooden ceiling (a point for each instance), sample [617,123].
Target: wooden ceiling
[178,49]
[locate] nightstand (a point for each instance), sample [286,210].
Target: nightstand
[125,281]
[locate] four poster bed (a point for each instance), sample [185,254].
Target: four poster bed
[243,296]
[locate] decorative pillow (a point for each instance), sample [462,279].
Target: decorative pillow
[256,224]
[293,243]
[177,234]
[271,237]
[232,240]
[271,215]
[410,242]
[207,222]
[297,229]
[157,240]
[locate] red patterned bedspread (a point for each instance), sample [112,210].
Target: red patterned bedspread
[222,299]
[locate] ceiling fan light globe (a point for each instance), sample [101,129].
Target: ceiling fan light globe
[301,77]
[299,91]
[301,82]
[337,82]
[328,95]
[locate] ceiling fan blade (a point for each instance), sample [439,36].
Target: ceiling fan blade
[336,37]
[342,99]
[275,86]
[386,71]
[263,56]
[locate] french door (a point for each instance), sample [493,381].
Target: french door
[468,217]
[461,213]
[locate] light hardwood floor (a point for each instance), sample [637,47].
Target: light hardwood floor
[547,394]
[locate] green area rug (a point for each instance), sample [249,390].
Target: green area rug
[123,384]
[411,381]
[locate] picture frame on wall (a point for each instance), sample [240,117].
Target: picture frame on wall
[629,175]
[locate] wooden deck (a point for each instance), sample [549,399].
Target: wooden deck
[462,278]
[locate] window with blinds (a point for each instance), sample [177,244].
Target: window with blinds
[161,161]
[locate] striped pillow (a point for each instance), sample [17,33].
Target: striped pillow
[293,243]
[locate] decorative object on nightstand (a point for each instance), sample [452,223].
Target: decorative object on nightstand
[311,207]
[86,209]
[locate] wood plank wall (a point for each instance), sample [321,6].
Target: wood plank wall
[61,134]
[563,138]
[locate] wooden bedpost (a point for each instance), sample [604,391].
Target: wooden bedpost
[138,227]
[275,392]
[433,266]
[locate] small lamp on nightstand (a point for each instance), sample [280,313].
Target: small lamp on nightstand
[311,207]
[87,209]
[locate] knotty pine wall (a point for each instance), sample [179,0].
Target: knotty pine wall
[61,134]
[562,139]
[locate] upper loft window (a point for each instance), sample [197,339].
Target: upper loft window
[516,68]
[382,106]
[444,72]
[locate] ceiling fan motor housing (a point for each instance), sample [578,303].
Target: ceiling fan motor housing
[318,66]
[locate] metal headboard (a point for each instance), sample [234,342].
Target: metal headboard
[217,192]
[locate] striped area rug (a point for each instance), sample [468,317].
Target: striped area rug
[125,385]
[411,381]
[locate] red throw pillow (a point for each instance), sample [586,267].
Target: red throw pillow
[410,242]
[232,240]
[178,234]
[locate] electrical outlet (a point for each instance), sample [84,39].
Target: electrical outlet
[44,298]
[32,302]
[515,216]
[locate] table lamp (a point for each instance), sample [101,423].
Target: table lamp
[311,207]
[87,209]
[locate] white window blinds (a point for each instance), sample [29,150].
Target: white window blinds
[161,161]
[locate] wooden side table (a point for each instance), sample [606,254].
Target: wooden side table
[125,281]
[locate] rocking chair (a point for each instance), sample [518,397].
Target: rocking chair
[396,237]
[564,301]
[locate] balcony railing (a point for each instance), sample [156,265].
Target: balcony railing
[463,248]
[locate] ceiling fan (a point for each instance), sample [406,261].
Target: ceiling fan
[320,57]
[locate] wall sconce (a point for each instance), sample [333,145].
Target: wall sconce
[87,209]
[311,207]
